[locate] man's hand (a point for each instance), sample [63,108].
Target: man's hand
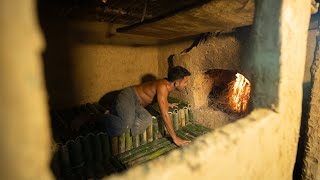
[180,142]
[172,105]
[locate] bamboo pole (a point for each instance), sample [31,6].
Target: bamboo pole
[136,141]
[186,114]
[115,145]
[143,138]
[125,155]
[122,143]
[92,108]
[192,130]
[128,140]
[182,117]
[146,151]
[183,135]
[175,122]
[191,119]
[155,128]
[151,155]
[149,133]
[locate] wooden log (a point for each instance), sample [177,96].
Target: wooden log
[152,155]
[186,114]
[155,128]
[149,133]
[136,141]
[143,138]
[128,141]
[175,116]
[145,151]
[124,155]
[122,143]
[115,145]
[182,117]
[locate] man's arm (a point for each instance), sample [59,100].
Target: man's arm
[162,97]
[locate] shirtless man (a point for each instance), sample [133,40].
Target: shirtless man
[131,102]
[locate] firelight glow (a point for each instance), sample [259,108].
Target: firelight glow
[239,93]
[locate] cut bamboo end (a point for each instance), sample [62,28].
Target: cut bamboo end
[115,146]
[128,141]
[149,133]
[182,117]
[122,143]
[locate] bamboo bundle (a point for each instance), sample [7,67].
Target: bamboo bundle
[145,151]
[149,133]
[175,121]
[115,145]
[143,138]
[128,141]
[122,143]
[136,141]
[140,148]
[186,114]
[182,117]
[151,155]
[155,128]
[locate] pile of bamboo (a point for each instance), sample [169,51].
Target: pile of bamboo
[180,117]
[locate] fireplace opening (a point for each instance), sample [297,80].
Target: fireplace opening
[230,92]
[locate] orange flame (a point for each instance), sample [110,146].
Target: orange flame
[239,93]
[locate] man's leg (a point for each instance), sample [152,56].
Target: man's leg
[125,108]
[142,120]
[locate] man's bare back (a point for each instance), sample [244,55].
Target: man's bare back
[147,91]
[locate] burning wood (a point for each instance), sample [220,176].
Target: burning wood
[239,93]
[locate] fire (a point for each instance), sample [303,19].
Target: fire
[239,93]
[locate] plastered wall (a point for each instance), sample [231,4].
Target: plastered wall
[81,66]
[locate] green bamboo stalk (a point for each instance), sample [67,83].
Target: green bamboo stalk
[136,141]
[175,116]
[186,114]
[192,130]
[161,126]
[146,151]
[140,148]
[155,127]
[122,143]
[149,133]
[182,135]
[187,134]
[115,145]
[191,118]
[182,117]
[151,155]
[200,128]
[143,138]
[128,141]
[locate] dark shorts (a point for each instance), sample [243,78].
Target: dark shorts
[127,114]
